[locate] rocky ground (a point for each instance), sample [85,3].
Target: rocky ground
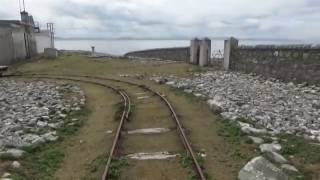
[271,104]
[262,108]
[32,111]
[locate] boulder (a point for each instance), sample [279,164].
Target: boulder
[289,169]
[275,157]
[215,106]
[260,168]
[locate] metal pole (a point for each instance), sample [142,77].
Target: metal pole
[24,6]
[20,5]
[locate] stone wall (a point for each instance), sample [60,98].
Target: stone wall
[298,63]
[176,54]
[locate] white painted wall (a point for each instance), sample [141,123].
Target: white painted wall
[43,41]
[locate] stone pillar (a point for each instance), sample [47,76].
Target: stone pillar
[194,51]
[230,46]
[205,52]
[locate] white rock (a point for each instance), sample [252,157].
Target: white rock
[6,175]
[50,136]
[251,130]
[275,157]
[261,169]
[289,169]
[42,123]
[170,83]
[256,140]
[15,153]
[16,164]
[270,147]
[215,105]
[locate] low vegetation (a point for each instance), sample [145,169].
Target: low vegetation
[116,165]
[187,162]
[304,154]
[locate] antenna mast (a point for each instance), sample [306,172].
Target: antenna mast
[20,5]
[24,6]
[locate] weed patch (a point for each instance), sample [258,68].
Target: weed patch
[116,165]
[187,162]
[303,154]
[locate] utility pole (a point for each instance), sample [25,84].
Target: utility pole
[20,5]
[24,6]
[50,27]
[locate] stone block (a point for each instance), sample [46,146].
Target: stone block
[50,53]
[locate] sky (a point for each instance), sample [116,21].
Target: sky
[172,19]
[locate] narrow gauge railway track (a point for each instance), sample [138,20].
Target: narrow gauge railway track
[126,113]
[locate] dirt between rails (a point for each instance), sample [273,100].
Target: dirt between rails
[150,112]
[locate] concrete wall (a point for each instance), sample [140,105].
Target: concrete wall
[6,47]
[43,41]
[289,63]
[18,44]
[176,54]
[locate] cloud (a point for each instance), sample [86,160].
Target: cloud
[175,18]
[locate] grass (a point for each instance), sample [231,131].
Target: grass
[189,96]
[187,162]
[119,110]
[230,131]
[304,154]
[116,165]
[41,161]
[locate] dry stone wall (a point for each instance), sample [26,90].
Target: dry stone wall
[297,63]
[176,54]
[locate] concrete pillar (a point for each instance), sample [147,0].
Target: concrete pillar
[194,51]
[230,46]
[205,52]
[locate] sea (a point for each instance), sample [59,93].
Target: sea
[120,47]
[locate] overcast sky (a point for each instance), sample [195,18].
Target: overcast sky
[285,19]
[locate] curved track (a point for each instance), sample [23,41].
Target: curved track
[125,113]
